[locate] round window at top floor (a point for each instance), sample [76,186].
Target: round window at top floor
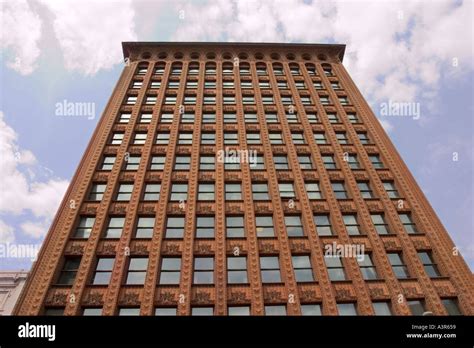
[258,55]
[322,57]
[162,55]
[227,55]
[194,55]
[275,56]
[146,55]
[306,56]
[178,55]
[243,55]
[211,55]
[290,56]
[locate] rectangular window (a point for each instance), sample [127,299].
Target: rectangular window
[376,161]
[115,227]
[430,266]
[208,138]
[324,100]
[313,191]
[150,100]
[287,190]
[191,84]
[230,118]
[417,307]
[162,138]
[367,268]
[237,270]
[170,270]
[306,100]
[174,227]
[291,117]
[275,138]
[352,118]
[353,162]
[270,269]
[238,310]
[137,271]
[103,270]
[264,226]
[207,163]
[166,311]
[231,138]
[185,138]
[298,138]
[305,162]
[260,192]
[320,138]
[451,306]
[398,266]
[382,308]
[145,227]
[197,311]
[258,164]
[294,226]
[187,118]
[339,190]
[379,223]
[157,162]
[205,227]
[275,310]
[335,268]
[233,192]
[312,118]
[209,84]
[248,100]
[129,311]
[206,192]
[363,137]
[311,309]
[179,192]
[124,192]
[155,84]
[347,309]
[250,118]
[253,138]
[173,84]
[132,163]
[391,190]
[209,99]
[333,118]
[124,118]
[365,190]
[84,227]
[152,192]
[203,270]
[335,85]
[228,100]
[131,100]
[282,85]
[69,271]
[235,227]
[302,268]
[170,100]
[281,162]
[209,118]
[165,118]
[97,192]
[139,139]
[323,225]
[271,118]
[182,162]
[342,138]
[117,138]
[352,226]
[408,223]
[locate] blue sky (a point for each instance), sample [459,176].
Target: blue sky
[414,52]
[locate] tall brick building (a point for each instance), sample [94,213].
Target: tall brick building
[313,213]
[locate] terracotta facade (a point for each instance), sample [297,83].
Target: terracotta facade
[318,84]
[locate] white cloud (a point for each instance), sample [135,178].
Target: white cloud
[6,233]
[18,192]
[36,230]
[20,33]
[90,33]
[395,49]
